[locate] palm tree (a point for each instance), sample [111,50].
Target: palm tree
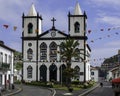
[68,51]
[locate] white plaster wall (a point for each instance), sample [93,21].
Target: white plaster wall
[6,51]
[11,54]
[95,76]
[40,26]
[26,47]
[109,75]
[25,66]
[81,22]
[88,71]
[34,22]
[49,35]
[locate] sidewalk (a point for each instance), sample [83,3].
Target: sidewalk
[11,91]
[82,92]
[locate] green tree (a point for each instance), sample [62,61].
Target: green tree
[68,50]
[18,66]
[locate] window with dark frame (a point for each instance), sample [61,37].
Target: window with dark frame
[92,73]
[30,54]
[53,51]
[77,27]
[29,72]
[43,51]
[30,28]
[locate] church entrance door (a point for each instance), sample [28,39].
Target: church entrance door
[43,73]
[62,76]
[53,72]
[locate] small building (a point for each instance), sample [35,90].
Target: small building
[113,73]
[6,64]
[94,74]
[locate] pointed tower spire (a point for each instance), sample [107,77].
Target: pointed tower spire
[77,10]
[32,11]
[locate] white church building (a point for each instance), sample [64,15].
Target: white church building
[41,62]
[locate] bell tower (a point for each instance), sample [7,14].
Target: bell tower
[77,22]
[32,28]
[32,23]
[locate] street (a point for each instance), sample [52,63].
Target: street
[106,90]
[33,91]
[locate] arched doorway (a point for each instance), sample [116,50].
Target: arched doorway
[53,72]
[43,73]
[62,76]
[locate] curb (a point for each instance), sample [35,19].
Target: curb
[88,91]
[53,91]
[12,93]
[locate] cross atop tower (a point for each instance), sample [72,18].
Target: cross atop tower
[53,20]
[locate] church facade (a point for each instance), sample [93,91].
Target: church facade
[41,60]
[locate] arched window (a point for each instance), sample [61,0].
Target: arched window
[53,51]
[77,58]
[77,72]
[43,51]
[30,54]
[29,71]
[77,27]
[61,51]
[30,28]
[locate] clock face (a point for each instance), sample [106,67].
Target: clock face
[53,34]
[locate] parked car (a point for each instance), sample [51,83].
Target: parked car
[116,86]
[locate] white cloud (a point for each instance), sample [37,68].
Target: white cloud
[114,44]
[111,20]
[11,10]
[105,51]
[105,2]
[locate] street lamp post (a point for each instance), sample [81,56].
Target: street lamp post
[61,75]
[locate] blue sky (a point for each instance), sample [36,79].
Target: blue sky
[102,14]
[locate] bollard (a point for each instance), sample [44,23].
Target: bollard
[13,87]
[0,91]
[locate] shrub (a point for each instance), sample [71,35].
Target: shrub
[17,82]
[85,85]
[70,89]
[75,82]
[50,84]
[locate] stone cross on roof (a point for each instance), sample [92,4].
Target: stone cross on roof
[53,20]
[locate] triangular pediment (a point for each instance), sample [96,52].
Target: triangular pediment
[53,33]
